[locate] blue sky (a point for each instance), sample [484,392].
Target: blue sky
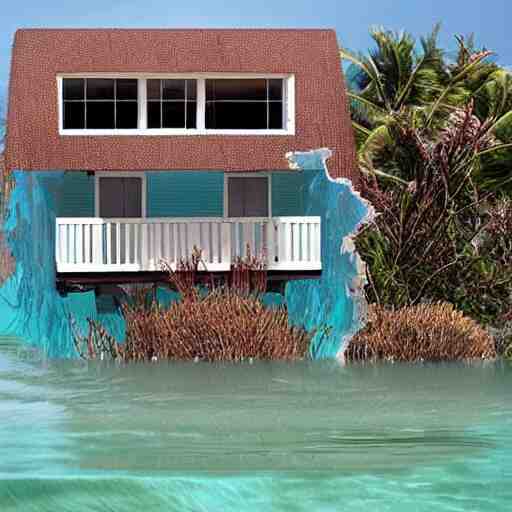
[488,19]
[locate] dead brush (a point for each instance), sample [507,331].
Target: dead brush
[221,326]
[426,332]
[249,274]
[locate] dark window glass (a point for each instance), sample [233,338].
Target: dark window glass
[74,88]
[235,89]
[173,114]
[100,89]
[126,89]
[244,104]
[173,89]
[242,116]
[107,103]
[171,103]
[126,114]
[191,90]
[154,120]
[100,115]
[74,115]
[275,120]
[153,89]
[191,114]
[275,90]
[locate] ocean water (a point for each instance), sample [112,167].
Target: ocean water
[252,437]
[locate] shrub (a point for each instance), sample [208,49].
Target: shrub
[222,325]
[426,332]
[437,236]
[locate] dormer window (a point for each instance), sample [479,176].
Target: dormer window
[244,104]
[171,103]
[219,104]
[100,103]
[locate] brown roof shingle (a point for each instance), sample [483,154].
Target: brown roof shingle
[33,141]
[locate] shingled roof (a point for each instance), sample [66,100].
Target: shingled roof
[34,143]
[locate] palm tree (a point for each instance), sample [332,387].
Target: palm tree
[397,79]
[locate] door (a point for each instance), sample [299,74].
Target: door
[120,197]
[248,197]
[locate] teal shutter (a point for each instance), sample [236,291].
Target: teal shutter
[77,195]
[287,194]
[185,194]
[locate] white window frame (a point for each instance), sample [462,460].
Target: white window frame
[288,103]
[258,174]
[119,174]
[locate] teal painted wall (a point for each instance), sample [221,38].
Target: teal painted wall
[287,194]
[182,194]
[185,194]
[76,198]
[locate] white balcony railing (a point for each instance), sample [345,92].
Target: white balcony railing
[131,245]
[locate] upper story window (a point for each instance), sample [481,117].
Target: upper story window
[171,103]
[176,105]
[244,104]
[100,103]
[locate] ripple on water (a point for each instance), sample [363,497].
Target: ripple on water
[260,437]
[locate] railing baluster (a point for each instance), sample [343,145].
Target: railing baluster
[215,255]
[79,234]
[136,246]
[97,244]
[269,244]
[63,243]
[143,242]
[225,257]
[126,229]
[295,241]
[176,243]
[109,243]
[87,244]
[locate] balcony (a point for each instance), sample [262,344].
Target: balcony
[139,245]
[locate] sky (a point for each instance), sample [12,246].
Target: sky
[488,19]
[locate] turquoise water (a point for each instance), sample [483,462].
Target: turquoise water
[276,437]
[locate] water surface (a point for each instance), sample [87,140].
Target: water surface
[281,437]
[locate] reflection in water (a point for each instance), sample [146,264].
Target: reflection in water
[302,436]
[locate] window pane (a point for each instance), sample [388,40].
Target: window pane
[191,90]
[173,114]
[100,89]
[191,114]
[275,89]
[100,115]
[126,89]
[73,88]
[275,121]
[232,116]
[74,115]
[126,114]
[153,89]
[173,89]
[154,114]
[236,89]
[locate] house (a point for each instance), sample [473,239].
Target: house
[170,139]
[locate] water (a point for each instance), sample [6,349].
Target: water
[276,437]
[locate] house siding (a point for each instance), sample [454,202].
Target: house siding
[287,194]
[183,194]
[77,196]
